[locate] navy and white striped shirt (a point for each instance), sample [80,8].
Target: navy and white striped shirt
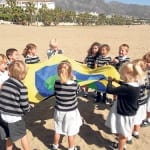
[103,60]
[122,60]
[66,95]
[90,61]
[32,60]
[14,98]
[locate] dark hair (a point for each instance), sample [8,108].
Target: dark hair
[91,47]
[10,51]
[27,48]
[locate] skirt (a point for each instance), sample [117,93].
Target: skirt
[148,104]
[67,123]
[119,124]
[140,115]
[14,131]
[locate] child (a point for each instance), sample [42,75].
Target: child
[142,100]
[53,49]
[29,54]
[121,59]
[66,116]
[146,58]
[3,72]
[123,56]
[12,54]
[101,60]
[90,60]
[121,116]
[14,104]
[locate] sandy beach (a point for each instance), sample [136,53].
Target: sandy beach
[75,41]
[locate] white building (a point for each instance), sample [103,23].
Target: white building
[38,3]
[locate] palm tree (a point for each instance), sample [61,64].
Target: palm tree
[30,12]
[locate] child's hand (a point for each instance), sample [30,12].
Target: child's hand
[116,61]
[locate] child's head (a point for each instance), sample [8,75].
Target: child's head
[130,72]
[123,49]
[3,62]
[94,48]
[146,58]
[17,69]
[64,71]
[104,49]
[12,54]
[53,44]
[30,49]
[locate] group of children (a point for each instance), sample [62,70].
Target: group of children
[125,116]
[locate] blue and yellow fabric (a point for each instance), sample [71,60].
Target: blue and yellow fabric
[41,77]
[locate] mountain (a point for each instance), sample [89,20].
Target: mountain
[100,6]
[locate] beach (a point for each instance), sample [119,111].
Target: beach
[75,41]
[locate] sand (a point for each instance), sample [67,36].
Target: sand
[75,42]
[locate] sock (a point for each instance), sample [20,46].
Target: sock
[55,146]
[129,138]
[148,120]
[72,148]
[135,133]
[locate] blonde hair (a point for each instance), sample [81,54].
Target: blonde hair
[64,70]
[3,59]
[17,69]
[28,47]
[131,72]
[124,45]
[53,43]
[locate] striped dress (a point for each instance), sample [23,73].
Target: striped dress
[66,116]
[90,61]
[103,60]
[32,59]
[122,60]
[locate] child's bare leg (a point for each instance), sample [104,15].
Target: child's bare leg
[56,138]
[71,141]
[25,143]
[122,141]
[9,144]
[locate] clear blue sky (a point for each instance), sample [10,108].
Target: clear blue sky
[140,2]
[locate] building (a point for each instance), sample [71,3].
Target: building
[38,3]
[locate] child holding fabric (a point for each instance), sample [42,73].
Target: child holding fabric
[121,115]
[66,115]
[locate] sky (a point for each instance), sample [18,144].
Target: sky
[140,2]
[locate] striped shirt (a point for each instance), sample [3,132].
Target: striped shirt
[122,60]
[66,95]
[51,52]
[90,61]
[14,98]
[32,59]
[103,60]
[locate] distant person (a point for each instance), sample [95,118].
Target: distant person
[102,60]
[122,57]
[13,106]
[30,54]
[146,58]
[3,69]
[66,115]
[12,55]
[53,48]
[90,60]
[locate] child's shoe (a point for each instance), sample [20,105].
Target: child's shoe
[114,146]
[53,147]
[145,123]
